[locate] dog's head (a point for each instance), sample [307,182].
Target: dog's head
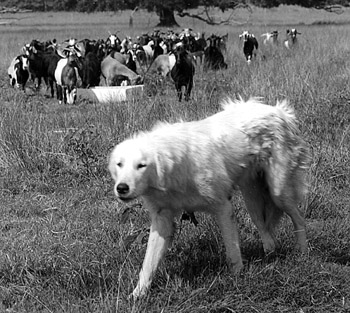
[135,168]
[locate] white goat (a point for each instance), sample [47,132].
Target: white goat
[163,64]
[116,73]
[270,38]
[149,51]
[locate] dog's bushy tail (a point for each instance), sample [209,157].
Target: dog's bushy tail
[286,169]
[298,155]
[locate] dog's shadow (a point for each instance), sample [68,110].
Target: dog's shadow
[205,257]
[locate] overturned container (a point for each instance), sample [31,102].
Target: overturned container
[104,94]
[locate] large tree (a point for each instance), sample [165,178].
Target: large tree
[224,5]
[166,9]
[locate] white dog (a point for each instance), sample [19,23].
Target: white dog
[195,166]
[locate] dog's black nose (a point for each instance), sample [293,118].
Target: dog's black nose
[122,188]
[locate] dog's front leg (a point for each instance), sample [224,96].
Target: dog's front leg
[228,225]
[161,234]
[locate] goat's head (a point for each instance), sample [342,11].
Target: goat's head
[213,40]
[29,49]
[274,33]
[25,62]
[186,32]
[270,37]
[75,61]
[132,55]
[180,52]
[113,40]
[126,44]
[292,33]
[71,41]
[246,36]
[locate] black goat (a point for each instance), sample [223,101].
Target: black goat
[213,57]
[249,43]
[90,70]
[183,71]
[157,49]
[42,65]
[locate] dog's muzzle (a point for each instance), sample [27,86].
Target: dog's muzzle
[122,189]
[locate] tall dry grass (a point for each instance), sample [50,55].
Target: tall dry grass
[68,246]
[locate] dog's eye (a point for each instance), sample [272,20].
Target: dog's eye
[141,165]
[119,164]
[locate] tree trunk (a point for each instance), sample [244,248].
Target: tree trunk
[166,18]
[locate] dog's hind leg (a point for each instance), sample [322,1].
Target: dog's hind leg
[262,211]
[160,237]
[288,204]
[287,189]
[228,225]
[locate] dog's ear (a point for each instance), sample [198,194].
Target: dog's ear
[163,166]
[112,164]
[159,179]
[166,174]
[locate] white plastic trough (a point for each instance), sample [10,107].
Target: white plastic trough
[103,94]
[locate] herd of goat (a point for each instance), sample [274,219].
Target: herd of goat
[114,62]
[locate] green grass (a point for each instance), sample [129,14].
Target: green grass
[67,245]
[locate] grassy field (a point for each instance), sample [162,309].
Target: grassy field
[67,245]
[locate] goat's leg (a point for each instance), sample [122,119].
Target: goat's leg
[59,93]
[37,85]
[51,88]
[65,91]
[188,91]
[179,91]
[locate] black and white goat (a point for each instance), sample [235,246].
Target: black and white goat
[18,71]
[250,45]
[291,38]
[72,44]
[140,54]
[182,72]
[66,76]
[126,45]
[113,43]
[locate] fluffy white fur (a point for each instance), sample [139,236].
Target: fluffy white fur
[195,166]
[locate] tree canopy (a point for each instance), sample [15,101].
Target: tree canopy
[166,9]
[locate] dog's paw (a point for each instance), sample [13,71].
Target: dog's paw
[235,268]
[137,293]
